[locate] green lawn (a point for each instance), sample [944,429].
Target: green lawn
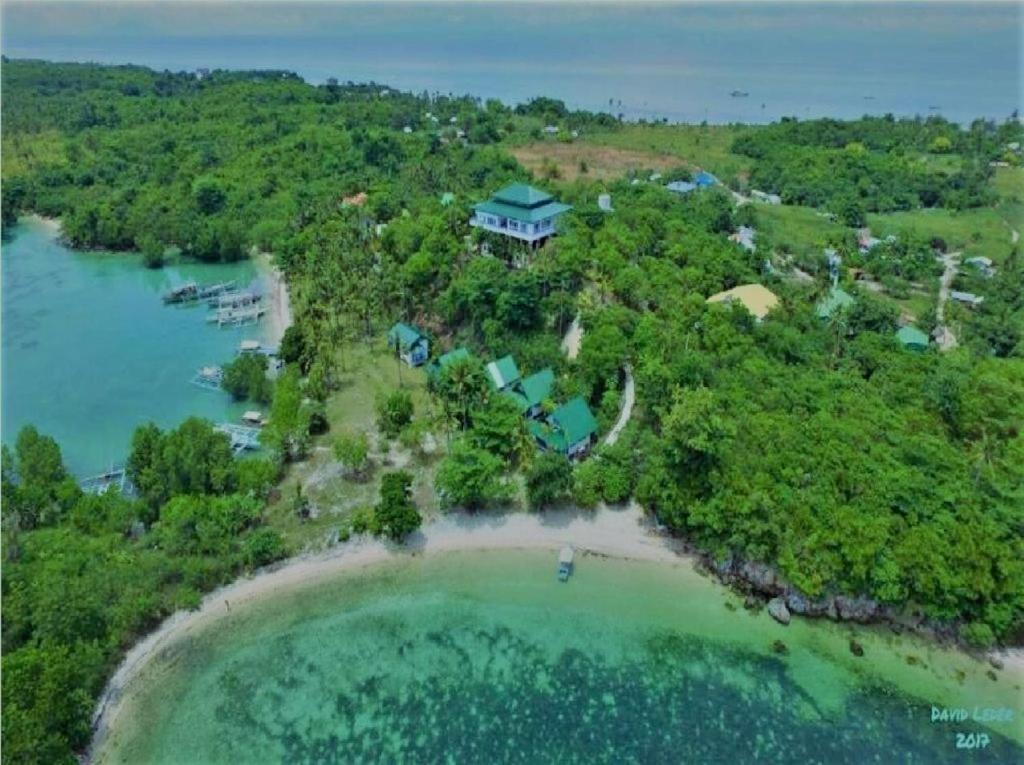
[366,371]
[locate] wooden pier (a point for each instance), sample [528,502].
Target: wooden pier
[115,476]
[209,378]
[242,437]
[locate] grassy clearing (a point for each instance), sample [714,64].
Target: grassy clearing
[601,162]
[368,370]
[796,230]
[707,148]
[981,231]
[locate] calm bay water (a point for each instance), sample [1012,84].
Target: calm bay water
[485,657]
[678,61]
[90,351]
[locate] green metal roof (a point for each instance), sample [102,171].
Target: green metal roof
[837,299]
[405,335]
[533,390]
[522,195]
[537,386]
[445,360]
[571,423]
[503,372]
[912,337]
[574,419]
[523,214]
[447,198]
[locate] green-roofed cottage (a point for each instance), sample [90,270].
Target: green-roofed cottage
[445,360]
[569,430]
[837,299]
[531,392]
[409,343]
[503,373]
[912,338]
[520,211]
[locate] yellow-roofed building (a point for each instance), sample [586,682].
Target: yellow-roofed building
[755,298]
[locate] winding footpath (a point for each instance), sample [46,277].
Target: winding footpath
[946,340]
[573,338]
[626,411]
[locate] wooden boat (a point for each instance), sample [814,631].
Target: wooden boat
[565,559]
[183,293]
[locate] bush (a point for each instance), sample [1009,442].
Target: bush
[394,412]
[471,477]
[353,450]
[263,546]
[549,480]
[586,484]
[979,635]
[396,516]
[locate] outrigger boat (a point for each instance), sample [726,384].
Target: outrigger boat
[186,292]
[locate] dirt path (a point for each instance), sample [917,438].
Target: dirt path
[573,338]
[626,411]
[946,340]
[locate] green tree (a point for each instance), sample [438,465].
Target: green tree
[470,477]
[394,412]
[288,428]
[549,480]
[396,514]
[246,378]
[352,450]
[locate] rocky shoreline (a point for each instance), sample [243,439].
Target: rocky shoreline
[765,587]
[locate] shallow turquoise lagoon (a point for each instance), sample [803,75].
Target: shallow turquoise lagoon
[90,351]
[485,658]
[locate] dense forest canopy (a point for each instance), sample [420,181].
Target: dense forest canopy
[819,447]
[876,164]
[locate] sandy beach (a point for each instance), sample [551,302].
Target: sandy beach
[621,533]
[279,318]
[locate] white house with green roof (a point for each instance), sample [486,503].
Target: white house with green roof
[912,338]
[520,211]
[503,373]
[445,360]
[531,392]
[837,300]
[569,430]
[409,343]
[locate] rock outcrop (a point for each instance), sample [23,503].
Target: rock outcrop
[777,608]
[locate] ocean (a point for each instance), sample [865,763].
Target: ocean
[654,61]
[485,657]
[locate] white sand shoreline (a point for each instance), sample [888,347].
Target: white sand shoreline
[613,533]
[53,224]
[279,317]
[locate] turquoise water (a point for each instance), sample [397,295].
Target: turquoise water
[666,60]
[485,657]
[90,351]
